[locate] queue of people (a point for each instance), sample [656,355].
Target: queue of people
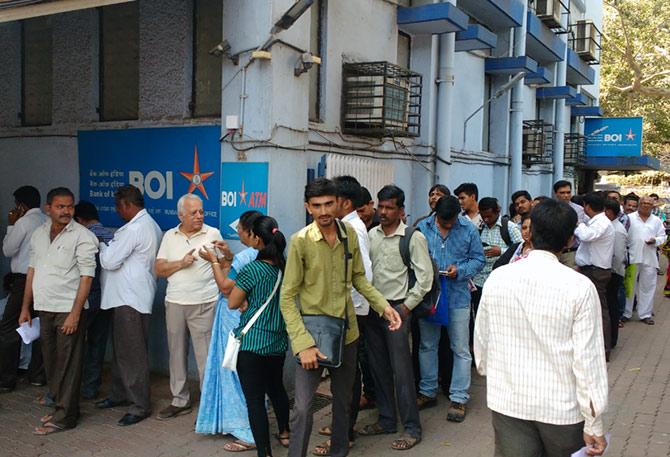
[351,295]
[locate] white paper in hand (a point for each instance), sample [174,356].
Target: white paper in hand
[582,451]
[29,333]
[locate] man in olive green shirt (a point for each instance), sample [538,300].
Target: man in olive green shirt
[389,353]
[315,283]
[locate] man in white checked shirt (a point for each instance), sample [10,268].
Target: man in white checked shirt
[539,342]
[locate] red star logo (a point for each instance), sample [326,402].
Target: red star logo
[196,178]
[630,136]
[243,195]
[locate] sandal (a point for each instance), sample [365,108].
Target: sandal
[324,448]
[47,428]
[283,439]
[46,418]
[325,430]
[374,429]
[622,324]
[404,443]
[238,446]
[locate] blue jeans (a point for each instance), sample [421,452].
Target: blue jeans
[458,328]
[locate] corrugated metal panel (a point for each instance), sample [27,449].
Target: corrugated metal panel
[371,173]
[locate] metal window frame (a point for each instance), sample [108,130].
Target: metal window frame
[194,50]
[22,113]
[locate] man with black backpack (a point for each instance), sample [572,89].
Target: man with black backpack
[455,246]
[389,352]
[497,234]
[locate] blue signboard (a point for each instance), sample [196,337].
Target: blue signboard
[244,187]
[613,136]
[164,163]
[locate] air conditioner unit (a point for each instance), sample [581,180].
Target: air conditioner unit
[533,141]
[586,44]
[549,12]
[377,101]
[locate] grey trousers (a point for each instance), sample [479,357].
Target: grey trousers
[341,386]
[130,364]
[393,374]
[521,438]
[63,357]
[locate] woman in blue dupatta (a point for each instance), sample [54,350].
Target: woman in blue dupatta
[223,408]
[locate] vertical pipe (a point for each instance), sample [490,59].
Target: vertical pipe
[516,112]
[559,141]
[445,100]
[432,103]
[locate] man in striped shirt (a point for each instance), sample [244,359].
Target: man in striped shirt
[541,348]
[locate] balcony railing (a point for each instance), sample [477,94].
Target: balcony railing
[585,40]
[538,139]
[574,150]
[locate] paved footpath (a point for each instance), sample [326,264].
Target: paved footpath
[638,417]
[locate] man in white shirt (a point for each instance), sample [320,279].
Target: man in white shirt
[128,287]
[468,195]
[540,347]
[60,273]
[23,219]
[594,254]
[190,299]
[619,262]
[646,233]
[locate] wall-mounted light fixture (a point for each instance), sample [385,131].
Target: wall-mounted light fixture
[305,62]
[291,15]
[220,49]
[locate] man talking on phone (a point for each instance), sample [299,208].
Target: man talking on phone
[455,246]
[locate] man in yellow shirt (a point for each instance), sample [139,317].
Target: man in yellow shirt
[315,284]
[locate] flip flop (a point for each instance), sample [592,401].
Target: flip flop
[47,428]
[238,446]
[323,449]
[325,430]
[374,429]
[283,439]
[46,418]
[405,443]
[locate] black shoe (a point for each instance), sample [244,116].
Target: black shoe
[38,382]
[109,403]
[130,419]
[6,389]
[173,411]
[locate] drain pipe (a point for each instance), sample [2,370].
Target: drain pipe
[432,102]
[559,116]
[445,93]
[516,112]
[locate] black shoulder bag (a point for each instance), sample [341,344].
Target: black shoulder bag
[328,331]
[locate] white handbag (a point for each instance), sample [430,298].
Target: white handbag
[234,343]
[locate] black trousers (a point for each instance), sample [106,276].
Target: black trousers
[363,381]
[10,341]
[613,305]
[600,278]
[261,375]
[97,331]
[393,373]
[130,364]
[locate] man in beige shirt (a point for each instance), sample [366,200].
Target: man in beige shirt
[190,299]
[389,352]
[60,272]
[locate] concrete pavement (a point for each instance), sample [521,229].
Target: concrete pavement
[638,417]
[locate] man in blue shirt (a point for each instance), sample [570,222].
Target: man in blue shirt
[455,246]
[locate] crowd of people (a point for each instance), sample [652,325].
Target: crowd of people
[393,311]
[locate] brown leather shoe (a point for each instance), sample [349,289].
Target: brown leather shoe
[424,401]
[456,412]
[173,411]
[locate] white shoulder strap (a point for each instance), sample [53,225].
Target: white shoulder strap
[255,317]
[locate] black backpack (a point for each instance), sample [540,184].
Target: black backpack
[504,230]
[426,306]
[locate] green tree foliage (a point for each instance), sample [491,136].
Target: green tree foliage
[635,68]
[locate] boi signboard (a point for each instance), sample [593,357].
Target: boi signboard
[613,136]
[164,163]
